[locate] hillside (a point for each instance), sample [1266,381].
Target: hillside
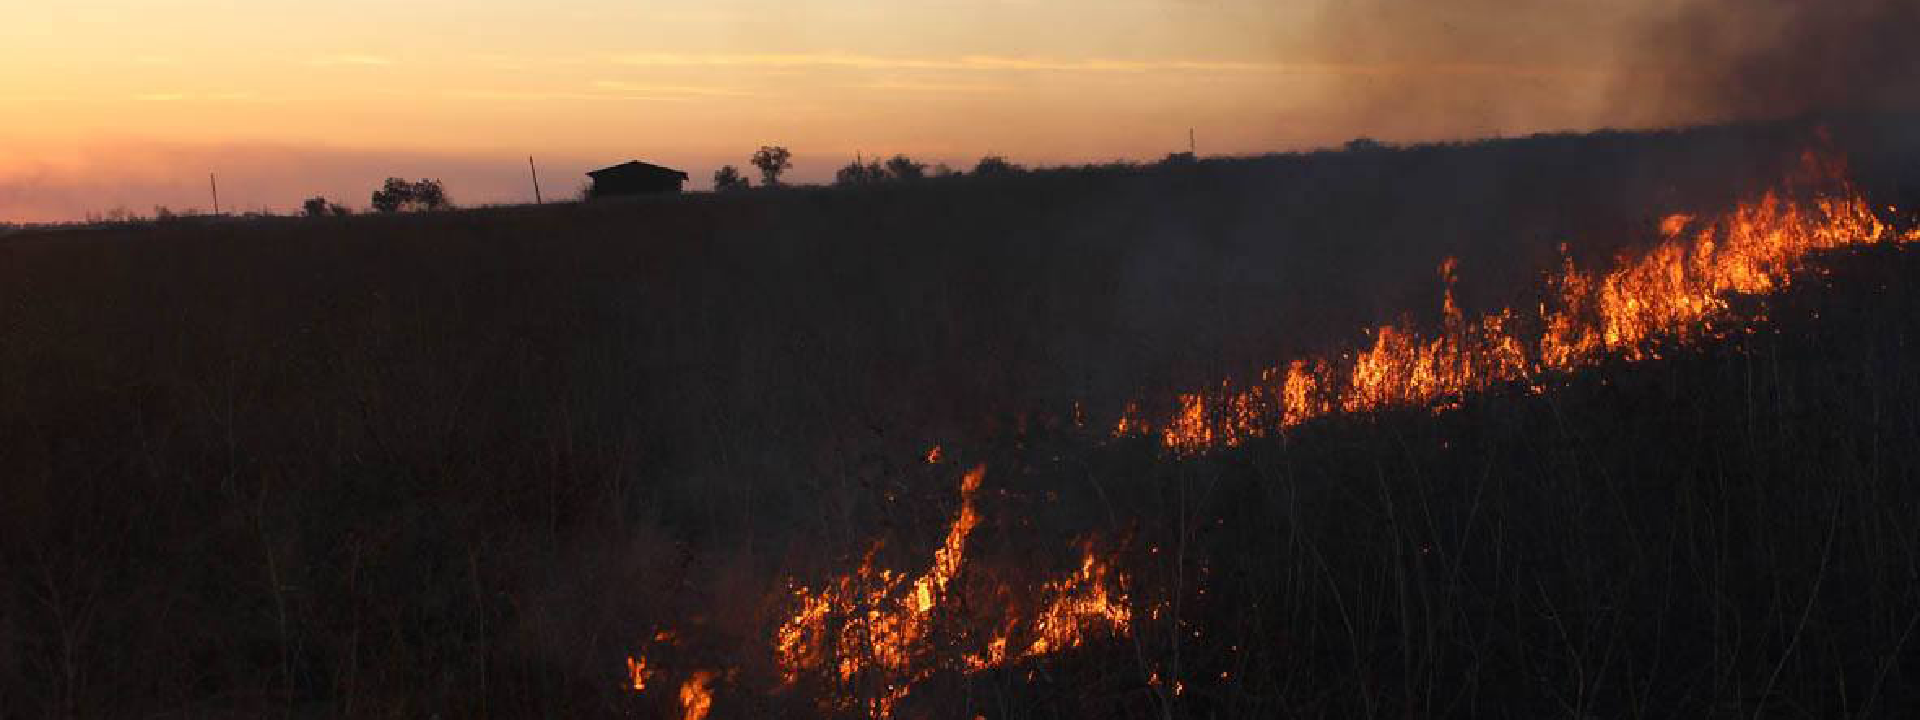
[517,461]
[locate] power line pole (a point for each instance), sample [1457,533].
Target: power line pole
[536,181]
[214,183]
[1190,145]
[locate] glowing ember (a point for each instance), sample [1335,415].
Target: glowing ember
[1671,293]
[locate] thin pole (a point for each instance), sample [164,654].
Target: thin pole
[215,184]
[536,181]
[1190,145]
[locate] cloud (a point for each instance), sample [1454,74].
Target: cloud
[350,60]
[605,90]
[1003,64]
[897,85]
[878,62]
[170,97]
[656,90]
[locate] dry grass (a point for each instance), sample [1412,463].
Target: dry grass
[463,463]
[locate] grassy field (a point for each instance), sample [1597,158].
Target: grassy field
[469,463]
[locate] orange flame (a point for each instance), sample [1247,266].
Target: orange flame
[696,696]
[1080,604]
[1673,292]
[637,669]
[878,630]
[874,628]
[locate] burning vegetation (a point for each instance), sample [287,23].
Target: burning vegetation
[870,635]
[1674,293]
[562,472]
[861,642]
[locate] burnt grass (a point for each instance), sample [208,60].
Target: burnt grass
[465,464]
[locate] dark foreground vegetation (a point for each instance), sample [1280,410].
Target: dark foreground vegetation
[463,463]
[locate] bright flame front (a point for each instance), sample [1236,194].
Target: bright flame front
[1674,292]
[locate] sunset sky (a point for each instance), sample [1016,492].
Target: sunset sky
[130,103]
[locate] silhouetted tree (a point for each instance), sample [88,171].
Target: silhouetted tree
[902,167]
[320,207]
[430,195]
[858,173]
[399,194]
[1365,145]
[728,177]
[992,165]
[772,160]
[396,194]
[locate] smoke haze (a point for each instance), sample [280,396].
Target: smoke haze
[1771,59]
[1492,66]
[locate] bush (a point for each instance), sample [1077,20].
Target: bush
[993,165]
[902,167]
[857,173]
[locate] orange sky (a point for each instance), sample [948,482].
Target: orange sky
[119,103]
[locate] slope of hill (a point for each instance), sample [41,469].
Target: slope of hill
[518,461]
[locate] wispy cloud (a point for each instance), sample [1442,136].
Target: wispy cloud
[604,90]
[897,85]
[623,86]
[1005,64]
[560,95]
[880,62]
[205,97]
[350,60]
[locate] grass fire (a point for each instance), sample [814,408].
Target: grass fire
[1239,359]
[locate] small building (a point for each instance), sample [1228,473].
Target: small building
[634,178]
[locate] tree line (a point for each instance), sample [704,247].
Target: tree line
[773,161]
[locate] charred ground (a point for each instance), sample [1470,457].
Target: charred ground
[469,463]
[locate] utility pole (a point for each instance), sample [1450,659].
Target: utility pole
[214,183]
[536,181]
[1190,145]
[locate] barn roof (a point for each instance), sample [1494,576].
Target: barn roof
[636,168]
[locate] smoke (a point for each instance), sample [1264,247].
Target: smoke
[1474,68]
[1732,60]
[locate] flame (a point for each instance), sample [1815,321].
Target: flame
[1673,292]
[696,695]
[874,629]
[878,629]
[1080,604]
[637,669]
